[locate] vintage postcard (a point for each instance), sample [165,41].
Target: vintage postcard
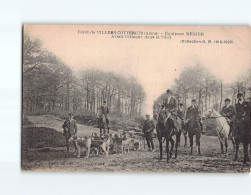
[129,98]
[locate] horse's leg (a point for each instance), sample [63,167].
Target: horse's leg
[178,140]
[221,144]
[236,151]
[160,147]
[176,145]
[172,145]
[185,136]
[191,143]
[245,151]
[249,153]
[226,144]
[167,149]
[198,143]
[234,144]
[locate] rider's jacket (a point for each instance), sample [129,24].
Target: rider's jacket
[181,114]
[243,110]
[192,112]
[228,111]
[169,103]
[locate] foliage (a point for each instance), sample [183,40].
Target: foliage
[50,86]
[196,82]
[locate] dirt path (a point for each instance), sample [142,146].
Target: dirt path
[53,159]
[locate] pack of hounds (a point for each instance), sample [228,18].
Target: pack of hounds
[105,143]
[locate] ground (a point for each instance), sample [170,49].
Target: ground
[57,158]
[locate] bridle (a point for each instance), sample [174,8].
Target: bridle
[165,117]
[159,118]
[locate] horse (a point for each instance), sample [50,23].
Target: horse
[194,129]
[185,136]
[222,128]
[103,125]
[242,134]
[165,128]
[184,132]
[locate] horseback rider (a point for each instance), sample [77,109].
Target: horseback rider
[192,112]
[104,111]
[148,128]
[228,111]
[69,129]
[170,105]
[181,114]
[242,111]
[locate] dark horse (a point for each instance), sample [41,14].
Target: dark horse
[165,128]
[103,125]
[242,134]
[194,129]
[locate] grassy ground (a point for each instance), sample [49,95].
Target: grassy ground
[58,159]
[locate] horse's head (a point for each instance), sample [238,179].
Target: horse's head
[161,116]
[209,113]
[156,110]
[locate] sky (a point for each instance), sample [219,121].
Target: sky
[154,62]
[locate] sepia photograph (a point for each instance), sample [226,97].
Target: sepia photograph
[136,98]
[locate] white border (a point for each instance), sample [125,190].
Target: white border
[15,13]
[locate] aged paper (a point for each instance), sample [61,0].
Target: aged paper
[136,98]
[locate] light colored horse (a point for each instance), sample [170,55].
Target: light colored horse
[222,127]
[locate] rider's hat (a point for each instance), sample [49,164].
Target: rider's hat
[181,104]
[71,114]
[104,101]
[169,91]
[194,100]
[239,95]
[227,100]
